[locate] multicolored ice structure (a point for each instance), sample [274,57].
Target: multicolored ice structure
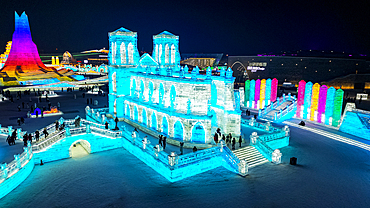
[318,103]
[23,62]
[260,93]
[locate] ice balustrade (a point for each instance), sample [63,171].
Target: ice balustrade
[174,161]
[260,142]
[262,126]
[70,130]
[8,170]
[9,130]
[272,106]
[286,110]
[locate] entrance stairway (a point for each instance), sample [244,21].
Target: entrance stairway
[252,156]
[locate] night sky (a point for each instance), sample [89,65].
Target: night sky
[230,27]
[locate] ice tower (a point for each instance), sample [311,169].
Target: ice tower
[166,50]
[24,62]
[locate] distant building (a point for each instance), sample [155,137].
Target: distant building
[201,60]
[294,69]
[68,59]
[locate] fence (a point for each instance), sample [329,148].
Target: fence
[8,170]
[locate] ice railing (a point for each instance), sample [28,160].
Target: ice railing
[273,105]
[262,126]
[264,112]
[175,161]
[5,131]
[260,142]
[8,170]
[286,110]
[97,114]
[72,128]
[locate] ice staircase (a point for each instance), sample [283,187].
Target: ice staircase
[252,156]
[271,114]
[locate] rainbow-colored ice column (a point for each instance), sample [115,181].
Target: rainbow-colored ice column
[274,85]
[257,93]
[246,92]
[307,99]
[300,98]
[314,101]
[262,93]
[338,102]
[329,105]
[251,94]
[322,103]
[268,92]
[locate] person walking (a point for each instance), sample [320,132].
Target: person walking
[195,149]
[19,121]
[160,140]
[240,141]
[56,125]
[37,135]
[182,148]
[22,120]
[233,144]
[164,143]
[215,138]
[22,104]
[30,138]
[45,133]
[58,104]
[25,139]
[19,108]
[106,125]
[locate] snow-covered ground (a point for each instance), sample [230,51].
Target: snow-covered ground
[329,174]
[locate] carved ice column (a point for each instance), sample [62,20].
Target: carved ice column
[276,156]
[253,138]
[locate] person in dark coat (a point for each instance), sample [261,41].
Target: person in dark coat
[160,140]
[30,137]
[56,125]
[240,141]
[45,133]
[182,148]
[22,120]
[106,125]
[215,137]
[25,139]
[195,149]
[37,135]
[233,143]
[164,143]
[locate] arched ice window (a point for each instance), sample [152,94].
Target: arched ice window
[123,53]
[114,47]
[173,52]
[114,82]
[130,50]
[166,54]
[160,54]
[156,52]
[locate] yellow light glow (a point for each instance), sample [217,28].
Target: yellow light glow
[315,99]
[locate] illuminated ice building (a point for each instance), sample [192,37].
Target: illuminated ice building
[23,64]
[155,92]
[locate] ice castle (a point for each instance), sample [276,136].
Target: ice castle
[155,92]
